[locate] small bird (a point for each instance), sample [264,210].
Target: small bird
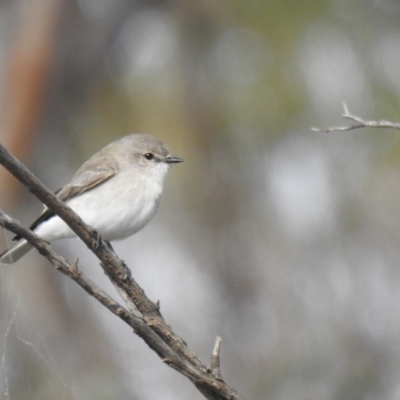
[116,192]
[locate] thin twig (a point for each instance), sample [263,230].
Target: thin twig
[215,359]
[360,123]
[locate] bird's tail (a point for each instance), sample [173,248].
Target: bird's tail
[14,253]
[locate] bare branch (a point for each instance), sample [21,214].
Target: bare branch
[149,324]
[360,123]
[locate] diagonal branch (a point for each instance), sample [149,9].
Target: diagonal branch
[71,270]
[360,123]
[150,326]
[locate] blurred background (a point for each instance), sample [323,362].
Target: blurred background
[282,240]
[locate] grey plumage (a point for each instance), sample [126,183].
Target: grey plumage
[117,192]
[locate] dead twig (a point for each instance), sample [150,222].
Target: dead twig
[360,123]
[215,359]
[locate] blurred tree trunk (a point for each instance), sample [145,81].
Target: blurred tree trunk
[26,78]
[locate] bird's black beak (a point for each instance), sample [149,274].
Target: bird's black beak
[172,159]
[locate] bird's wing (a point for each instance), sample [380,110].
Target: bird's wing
[90,175]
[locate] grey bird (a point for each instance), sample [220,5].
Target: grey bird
[117,192]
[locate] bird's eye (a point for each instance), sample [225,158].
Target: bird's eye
[149,156]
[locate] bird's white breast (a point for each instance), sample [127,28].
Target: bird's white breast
[117,208]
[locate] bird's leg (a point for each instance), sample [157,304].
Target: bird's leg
[109,246]
[96,242]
